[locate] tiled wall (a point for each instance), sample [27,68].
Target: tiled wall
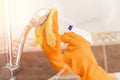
[35,66]
[106,48]
[103,38]
[108,56]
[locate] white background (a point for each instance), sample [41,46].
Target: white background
[90,15]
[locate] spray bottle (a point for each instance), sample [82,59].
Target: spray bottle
[86,35]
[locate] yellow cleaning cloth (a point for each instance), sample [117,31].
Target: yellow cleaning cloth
[47,26]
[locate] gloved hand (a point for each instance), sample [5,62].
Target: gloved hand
[54,52]
[45,36]
[79,57]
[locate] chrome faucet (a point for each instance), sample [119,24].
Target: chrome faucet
[11,69]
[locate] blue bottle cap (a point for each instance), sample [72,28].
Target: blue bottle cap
[70,27]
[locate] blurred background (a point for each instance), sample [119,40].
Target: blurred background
[101,18]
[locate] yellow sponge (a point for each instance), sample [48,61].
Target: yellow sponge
[48,27]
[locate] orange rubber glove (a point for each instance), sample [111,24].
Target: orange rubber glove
[53,53]
[79,57]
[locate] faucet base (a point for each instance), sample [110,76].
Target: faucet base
[8,72]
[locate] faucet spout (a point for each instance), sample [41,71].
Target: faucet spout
[21,45]
[37,19]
